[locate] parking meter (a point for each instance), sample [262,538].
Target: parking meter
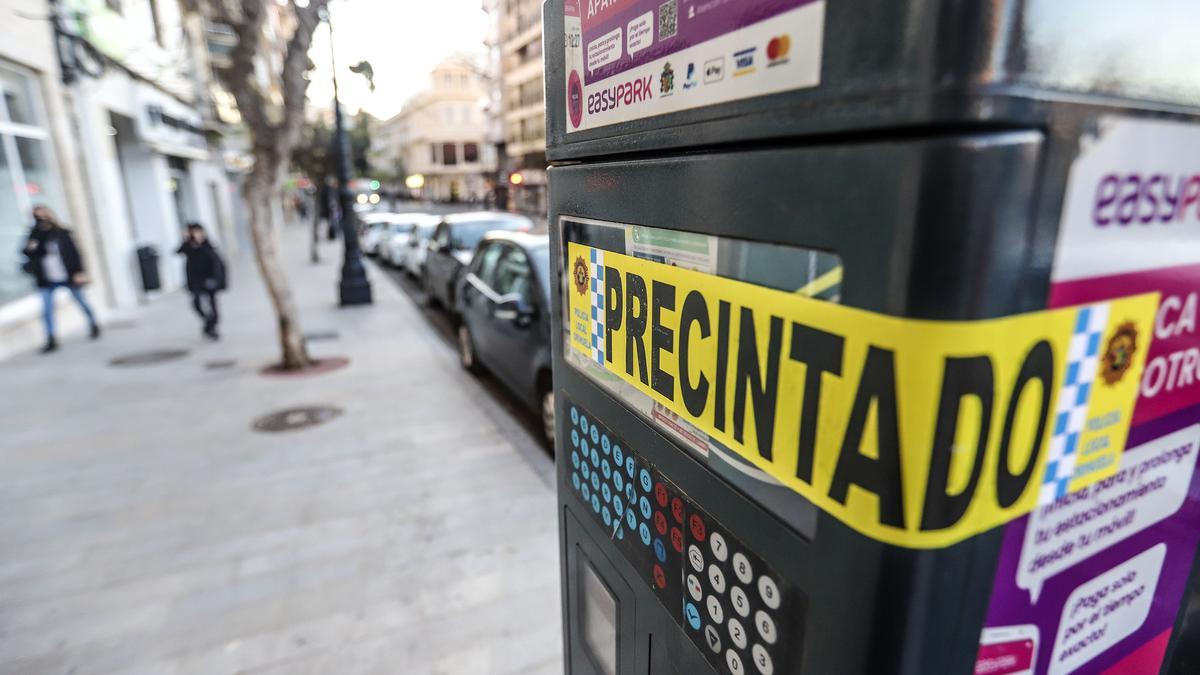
[875,335]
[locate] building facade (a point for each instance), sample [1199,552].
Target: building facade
[523,102]
[441,137]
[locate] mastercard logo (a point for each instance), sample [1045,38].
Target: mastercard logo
[778,47]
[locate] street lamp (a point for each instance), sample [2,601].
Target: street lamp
[354,288]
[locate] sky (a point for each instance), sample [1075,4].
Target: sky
[403,40]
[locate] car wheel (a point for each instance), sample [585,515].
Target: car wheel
[466,349]
[548,417]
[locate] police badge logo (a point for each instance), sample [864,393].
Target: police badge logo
[666,83]
[1118,353]
[579,273]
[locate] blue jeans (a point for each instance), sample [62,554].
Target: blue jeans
[48,306]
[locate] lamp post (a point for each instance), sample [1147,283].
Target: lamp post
[354,288]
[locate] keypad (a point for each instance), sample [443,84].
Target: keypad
[725,598]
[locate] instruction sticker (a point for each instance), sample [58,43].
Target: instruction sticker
[915,433]
[630,59]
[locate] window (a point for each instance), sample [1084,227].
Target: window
[485,263]
[513,276]
[449,154]
[470,152]
[433,153]
[28,175]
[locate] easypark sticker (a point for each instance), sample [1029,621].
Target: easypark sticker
[915,433]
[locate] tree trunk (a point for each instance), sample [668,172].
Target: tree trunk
[261,194]
[313,253]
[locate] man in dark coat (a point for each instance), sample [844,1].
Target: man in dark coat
[205,276]
[54,262]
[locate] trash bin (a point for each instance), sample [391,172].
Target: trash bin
[147,257]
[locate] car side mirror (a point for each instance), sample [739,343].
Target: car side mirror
[512,307]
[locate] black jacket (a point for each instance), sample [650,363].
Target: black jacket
[204,267]
[40,237]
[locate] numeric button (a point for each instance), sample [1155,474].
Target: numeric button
[717,578]
[762,660]
[734,662]
[742,568]
[769,591]
[739,600]
[737,633]
[715,610]
[766,626]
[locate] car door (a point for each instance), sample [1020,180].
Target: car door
[513,320]
[478,301]
[438,262]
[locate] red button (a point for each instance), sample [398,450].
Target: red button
[660,522]
[697,527]
[677,539]
[677,509]
[660,493]
[660,577]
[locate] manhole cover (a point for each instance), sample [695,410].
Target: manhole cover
[317,336]
[296,418]
[220,365]
[148,358]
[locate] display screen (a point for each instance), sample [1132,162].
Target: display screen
[598,619]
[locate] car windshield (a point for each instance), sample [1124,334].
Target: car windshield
[424,232]
[464,236]
[541,265]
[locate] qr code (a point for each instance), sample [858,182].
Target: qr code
[668,19]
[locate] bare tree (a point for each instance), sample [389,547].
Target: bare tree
[273,131]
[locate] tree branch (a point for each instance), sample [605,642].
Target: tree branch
[295,65]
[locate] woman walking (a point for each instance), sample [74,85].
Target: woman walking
[54,261]
[205,276]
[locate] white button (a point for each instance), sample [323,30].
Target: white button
[741,603]
[762,660]
[714,639]
[696,558]
[742,568]
[769,591]
[734,662]
[766,626]
[717,542]
[714,610]
[737,633]
[694,589]
[716,578]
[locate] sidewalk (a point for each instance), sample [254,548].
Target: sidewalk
[146,528]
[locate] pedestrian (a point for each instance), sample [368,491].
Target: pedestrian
[205,276]
[54,262]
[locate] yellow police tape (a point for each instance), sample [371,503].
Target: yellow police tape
[914,433]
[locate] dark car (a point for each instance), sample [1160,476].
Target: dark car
[504,307]
[451,247]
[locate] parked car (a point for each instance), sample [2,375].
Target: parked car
[504,307]
[394,248]
[451,247]
[418,248]
[374,226]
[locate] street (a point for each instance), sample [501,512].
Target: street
[148,527]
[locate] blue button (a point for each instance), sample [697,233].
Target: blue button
[645,478]
[630,467]
[645,532]
[618,506]
[595,503]
[606,493]
[606,469]
[595,458]
[630,519]
[660,551]
[583,424]
[586,470]
[620,534]
[643,505]
[574,415]
[618,455]
[595,481]
[595,434]
[575,459]
[605,444]
[586,491]
[693,616]
[583,447]
[606,516]
[618,481]
[629,493]
[574,438]
[575,480]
